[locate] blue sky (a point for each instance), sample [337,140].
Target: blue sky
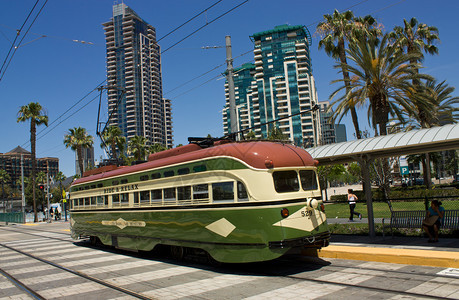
[58,72]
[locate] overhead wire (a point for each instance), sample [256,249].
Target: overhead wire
[49,129]
[177,28]
[205,73]
[207,24]
[23,37]
[18,32]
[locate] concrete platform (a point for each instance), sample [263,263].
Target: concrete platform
[400,250]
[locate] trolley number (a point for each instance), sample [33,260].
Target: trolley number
[306,213]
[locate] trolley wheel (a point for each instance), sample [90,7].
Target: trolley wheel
[94,241]
[177,252]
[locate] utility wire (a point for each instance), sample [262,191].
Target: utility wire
[74,105]
[205,10]
[23,37]
[204,83]
[79,101]
[205,73]
[89,102]
[208,23]
[18,32]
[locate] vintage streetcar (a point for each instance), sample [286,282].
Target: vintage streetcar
[235,202]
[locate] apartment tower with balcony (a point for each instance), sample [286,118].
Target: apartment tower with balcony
[277,85]
[135,101]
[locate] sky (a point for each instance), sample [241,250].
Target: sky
[54,67]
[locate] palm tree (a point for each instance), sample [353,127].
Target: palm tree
[156,148]
[113,136]
[78,139]
[137,146]
[417,37]
[380,76]
[33,112]
[433,105]
[335,31]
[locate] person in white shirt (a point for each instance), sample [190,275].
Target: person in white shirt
[352,198]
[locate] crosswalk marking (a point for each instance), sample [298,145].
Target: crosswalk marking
[152,275]
[118,267]
[199,286]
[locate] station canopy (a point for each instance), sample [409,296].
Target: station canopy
[404,143]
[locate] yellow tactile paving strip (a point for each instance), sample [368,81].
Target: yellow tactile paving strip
[445,259]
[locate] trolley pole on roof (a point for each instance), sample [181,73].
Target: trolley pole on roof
[229,77]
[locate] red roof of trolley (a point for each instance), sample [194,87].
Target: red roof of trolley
[257,154]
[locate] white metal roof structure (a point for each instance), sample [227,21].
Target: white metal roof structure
[416,141]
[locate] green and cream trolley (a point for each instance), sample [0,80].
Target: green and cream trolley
[237,202]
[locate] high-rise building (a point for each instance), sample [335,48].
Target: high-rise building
[330,132]
[279,84]
[135,101]
[11,163]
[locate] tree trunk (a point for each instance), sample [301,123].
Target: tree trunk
[34,166]
[342,57]
[426,171]
[80,160]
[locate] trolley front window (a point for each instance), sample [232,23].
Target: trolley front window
[241,192]
[286,181]
[308,180]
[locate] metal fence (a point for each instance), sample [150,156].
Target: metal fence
[12,217]
[400,204]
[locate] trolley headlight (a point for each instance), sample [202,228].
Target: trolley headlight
[285,213]
[313,203]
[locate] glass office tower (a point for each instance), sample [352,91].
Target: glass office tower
[278,84]
[135,100]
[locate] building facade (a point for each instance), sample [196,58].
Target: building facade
[280,83]
[88,160]
[135,101]
[11,163]
[330,133]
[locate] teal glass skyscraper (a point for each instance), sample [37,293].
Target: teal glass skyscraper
[135,101]
[280,83]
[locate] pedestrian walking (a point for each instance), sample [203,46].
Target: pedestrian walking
[352,198]
[51,214]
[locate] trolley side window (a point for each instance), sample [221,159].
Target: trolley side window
[100,201]
[223,191]
[169,196]
[241,192]
[308,180]
[156,197]
[124,199]
[201,192]
[144,197]
[184,194]
[116,200]
[286,181]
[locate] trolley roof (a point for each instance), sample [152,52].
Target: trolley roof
[257,154]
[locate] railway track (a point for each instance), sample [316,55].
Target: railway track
[291,271]
[30,291]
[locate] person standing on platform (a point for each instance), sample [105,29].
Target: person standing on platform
[352,198]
